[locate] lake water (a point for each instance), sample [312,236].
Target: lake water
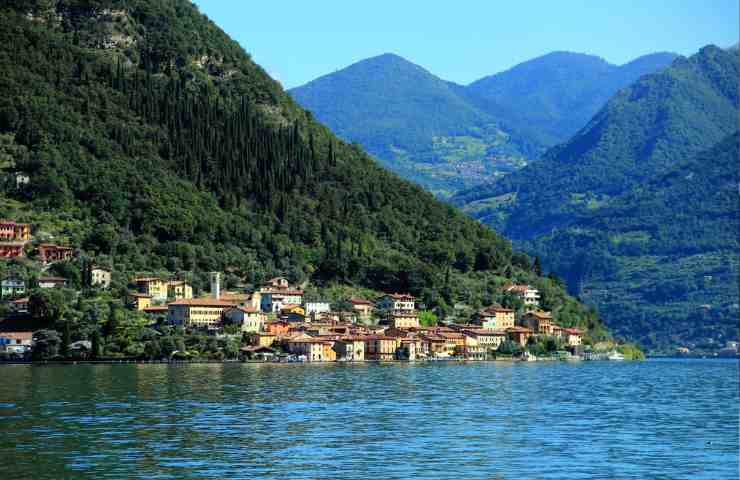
[654,419]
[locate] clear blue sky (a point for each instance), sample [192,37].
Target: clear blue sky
[463,40]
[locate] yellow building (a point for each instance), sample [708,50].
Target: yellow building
[494,316]
[203,313]
[380,347]
[404,320]
[139,301]
[179,289]
[315,349]
[152,286]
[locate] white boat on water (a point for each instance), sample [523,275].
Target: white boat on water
[615,356]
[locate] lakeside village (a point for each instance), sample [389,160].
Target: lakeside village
[276,322]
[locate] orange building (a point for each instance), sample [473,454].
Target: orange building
[54,253]
[278,328]
[9,230]
[11,250]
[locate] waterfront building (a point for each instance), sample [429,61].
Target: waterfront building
[350,349]
[380,347]
[572,336]
[249,319]
[487,338]
[539,321]
[16,342]
[315,349]
[519,335]
[202,313]
[494,317]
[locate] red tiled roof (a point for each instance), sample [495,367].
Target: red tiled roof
[359,301]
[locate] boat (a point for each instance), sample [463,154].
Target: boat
[615,356]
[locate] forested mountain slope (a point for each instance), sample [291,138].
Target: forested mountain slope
[153,143]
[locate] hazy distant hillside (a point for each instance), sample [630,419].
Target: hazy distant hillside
[448,137]
[607,210]
[413,121]
[550,98]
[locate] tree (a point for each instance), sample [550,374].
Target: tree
[47,306]
[97,347]
[46,345]
[427,318]
[66,340]
[537,267]
[509,347]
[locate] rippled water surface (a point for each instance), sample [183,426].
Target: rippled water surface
[654,419]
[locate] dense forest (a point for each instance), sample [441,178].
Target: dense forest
[639,210]
[153,143]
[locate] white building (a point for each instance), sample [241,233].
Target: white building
[275,300]
[529,295]
[100,277]
[317,308]
[397,302]
[52,282]
[248,318]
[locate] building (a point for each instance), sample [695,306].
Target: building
[19,306]
[279,283]
[314,349]
[487,339]
[397,302]
[572,336]
[278,327]
[100,277]
[380,347]
[16,342]
[293,313]
[519,335]
[402,319]
[12,231]
[494,317]
[179,290]
[409,348]
[364,308]
[539,321]
[529,295]
[313,309]
[350,349]
[49,253]
[155,287]
[52,282]
[473,349]
[139,301]
[12,249]
[265,339]
[247,318]
[12,287]
[454,342]
[274,301]
[200,313]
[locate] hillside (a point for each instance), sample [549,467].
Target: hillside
[643,135]
[548,99]
[662,263]
[447,137]
[153,143]
[414,122]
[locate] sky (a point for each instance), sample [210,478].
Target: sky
[297,41]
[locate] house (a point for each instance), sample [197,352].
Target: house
[572,336]
[454,342]
[52,282]
[313,309]
[275,300]
[488,339]
[379,347]
[278,327]
[139,301]
[403,319]
[280,283]
[539,321]
[409,348]
[494,317]
[314,349]
[529,295]
[156,312]
[11,249]
[265,339]
[19,306]
[247,318]
[12,231]
[397,302]
[519,335]
[259,352]
[12,287]
[16,342]
[364,308]
[100,277]
[350,349]
[155,287]
[434,345]
[201,313]
[49,253]
[293,313]
[473,349]
[179,290]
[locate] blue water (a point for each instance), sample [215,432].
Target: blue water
[655,419]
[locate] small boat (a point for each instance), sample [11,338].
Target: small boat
[615,356]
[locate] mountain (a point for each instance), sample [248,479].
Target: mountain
[548,99]
[447,137]
[413,121]
[152,143]
[574,201]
